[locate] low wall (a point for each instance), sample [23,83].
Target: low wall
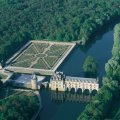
[53,42]
[29,70]
[64,57]
[18,53]
[41,71]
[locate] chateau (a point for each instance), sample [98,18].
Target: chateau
[59,81]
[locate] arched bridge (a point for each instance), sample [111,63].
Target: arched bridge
[61,82]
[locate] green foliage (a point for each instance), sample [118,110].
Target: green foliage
[104,102]
[117,115]
[112,68]
[90,67]
[40,55]
[116,47]
[65,20]
[100,105]
[18,107]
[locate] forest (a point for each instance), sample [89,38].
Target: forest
[60,20]
[106,104]
[20,106]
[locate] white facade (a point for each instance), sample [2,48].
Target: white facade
[62,83]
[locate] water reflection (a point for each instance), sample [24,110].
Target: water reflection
[71,105]
[98,35]
[59,97]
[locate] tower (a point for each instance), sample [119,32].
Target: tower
[57,81]
[0,66]
[34,84]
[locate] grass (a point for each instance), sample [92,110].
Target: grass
[30,50]
[57,47]
[25,63]
[3,76]
[40,55]
[40,64]
[24,57]
[57,50]
[51,60]
[41,47]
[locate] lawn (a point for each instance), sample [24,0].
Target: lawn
[43,55]
[3,76]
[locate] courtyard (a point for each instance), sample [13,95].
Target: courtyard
[42,55]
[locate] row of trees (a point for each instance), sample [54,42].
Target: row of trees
[99,108]
[64,20]
[18,107]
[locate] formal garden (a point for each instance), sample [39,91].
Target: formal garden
[41,55]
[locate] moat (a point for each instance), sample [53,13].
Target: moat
[100,49]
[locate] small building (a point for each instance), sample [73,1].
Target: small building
[61,82]
[27,80]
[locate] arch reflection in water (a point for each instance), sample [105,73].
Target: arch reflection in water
[71,97]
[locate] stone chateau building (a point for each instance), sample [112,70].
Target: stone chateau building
[59,81]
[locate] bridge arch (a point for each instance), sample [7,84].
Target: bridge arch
[79,91]
[94,92]
[72,90]
[56,89]
[72,84]
[67,89]
[42,87]
[86,92]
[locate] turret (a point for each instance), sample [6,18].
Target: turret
[97,79]
[0,65]
[34,84]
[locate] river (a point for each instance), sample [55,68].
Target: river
[60,106]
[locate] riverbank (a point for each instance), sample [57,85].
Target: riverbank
[109,92]
[100,29]
[56,106]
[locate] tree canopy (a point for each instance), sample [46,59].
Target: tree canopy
[18,107]
[90,67]
[102,106]
[63,20]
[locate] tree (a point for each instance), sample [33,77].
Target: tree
[116,47]
[90,67]
[103,103]
[19,107]
[66,20]
[112,68]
